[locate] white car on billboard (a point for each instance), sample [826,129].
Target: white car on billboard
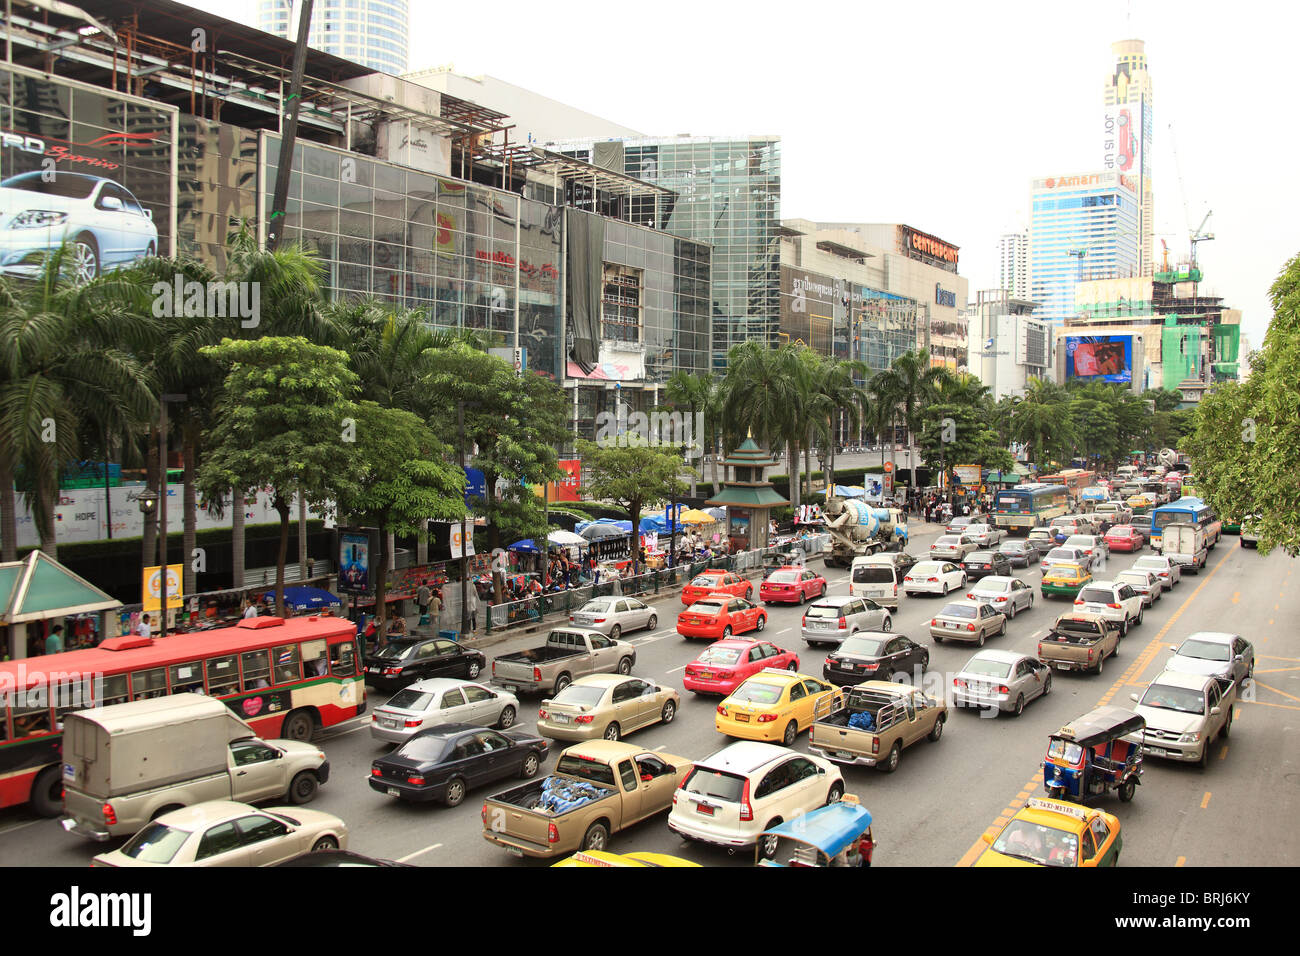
[103,223]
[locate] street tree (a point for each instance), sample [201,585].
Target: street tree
[632,476]
[955,426]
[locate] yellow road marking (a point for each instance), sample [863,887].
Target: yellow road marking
[1265,703]
[1205,800]
[1181,861]
[1276,691]
[1270,657]
[1276,670]
[1224,752]
[1236,596]
[1136,667]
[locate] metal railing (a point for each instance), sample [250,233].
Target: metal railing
[533,609]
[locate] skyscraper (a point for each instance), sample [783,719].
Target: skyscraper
[374,33]
[1126,127]
[1013,256]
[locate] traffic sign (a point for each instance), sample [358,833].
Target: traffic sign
[889,466]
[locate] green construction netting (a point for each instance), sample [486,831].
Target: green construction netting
[1180,352]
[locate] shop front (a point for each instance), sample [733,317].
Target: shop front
[39,595]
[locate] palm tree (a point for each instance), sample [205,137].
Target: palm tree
[883,389]
[913,379]
[67,367]
[1041,420]
[762,396]
[698,394]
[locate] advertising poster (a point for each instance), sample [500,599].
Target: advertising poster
[354,562]
[153,587]
[1105,358]
[1122,139]
[97,178]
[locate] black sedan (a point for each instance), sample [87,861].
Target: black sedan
[980,564]
[444,762]
[875,655]
[329,859]
[1019,552]
[413,658]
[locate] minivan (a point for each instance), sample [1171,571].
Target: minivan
[876,577]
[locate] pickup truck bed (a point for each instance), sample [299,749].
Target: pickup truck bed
[539,655]
[841,735]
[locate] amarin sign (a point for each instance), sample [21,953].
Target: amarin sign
[657,430]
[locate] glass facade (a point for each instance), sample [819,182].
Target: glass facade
[374,33]
[835,316]
[216,187]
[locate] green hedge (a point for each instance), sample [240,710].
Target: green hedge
[128,549]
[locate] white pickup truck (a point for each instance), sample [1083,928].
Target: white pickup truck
[569,652]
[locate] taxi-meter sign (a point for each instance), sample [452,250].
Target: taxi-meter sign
[153,585]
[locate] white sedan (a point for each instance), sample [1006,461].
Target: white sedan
[441,700]
[224,833]
[1159,565]
[1113,600]
[1006,594]
[612,616]
[984,535]
[1145,583]
[934,577]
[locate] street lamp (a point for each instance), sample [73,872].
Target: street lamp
[148,501]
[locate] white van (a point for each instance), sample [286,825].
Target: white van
[876,577]
[1126,472]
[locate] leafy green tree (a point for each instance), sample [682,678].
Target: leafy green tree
[911,379]
[632,476]
[955,426]
[285,420]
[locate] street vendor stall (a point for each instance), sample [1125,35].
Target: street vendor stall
[37,593]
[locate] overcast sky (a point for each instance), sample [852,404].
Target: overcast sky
[936,114]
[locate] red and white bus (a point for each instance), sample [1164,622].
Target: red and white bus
[286,677]
[1074,479]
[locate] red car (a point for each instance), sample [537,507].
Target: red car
[714,582]
[1125,537]
[718,616]
[1128,146]
[793,585]
[725,665]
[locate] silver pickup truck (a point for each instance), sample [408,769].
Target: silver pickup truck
[569,652]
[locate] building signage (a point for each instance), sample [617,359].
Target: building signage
[943,297]
[1061,182]
[920,246]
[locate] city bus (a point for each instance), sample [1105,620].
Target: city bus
[286,677]
[1185,511]
[1074,479]
[1028,506]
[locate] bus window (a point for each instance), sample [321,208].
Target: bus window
[31,720]
[4,721]
[256,666]
[223,675]
[69,697]
[313,659]
[186,677]
[146,685]
[343,659]
[286,664]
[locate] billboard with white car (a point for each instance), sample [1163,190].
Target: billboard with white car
[85,168]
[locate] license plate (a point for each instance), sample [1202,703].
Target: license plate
[394,792]
[1154,751]
[69,773]
[706,675]
[704,808]
[950,626]
[510,687]
[560,719]
[515,851]
[819,626]
[844,754]
[372,670]
[744,718]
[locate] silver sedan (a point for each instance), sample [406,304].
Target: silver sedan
[985,535]
[1006,594]
[1218,654]
[1001,681]
[613,616]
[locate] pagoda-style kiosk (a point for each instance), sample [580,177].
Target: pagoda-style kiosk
[749,498]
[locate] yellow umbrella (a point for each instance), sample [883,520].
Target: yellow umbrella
[696,516]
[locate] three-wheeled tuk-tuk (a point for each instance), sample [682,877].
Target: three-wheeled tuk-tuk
[832,835]
[1088,756]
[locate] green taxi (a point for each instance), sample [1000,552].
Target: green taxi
[1064,580]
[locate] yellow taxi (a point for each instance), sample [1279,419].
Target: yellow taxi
[605,858]
[1055,833]
[1141,502]
[775,705]
[1064,579]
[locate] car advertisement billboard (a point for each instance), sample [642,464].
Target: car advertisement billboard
[82,167]
[1122,139]
[1104,358]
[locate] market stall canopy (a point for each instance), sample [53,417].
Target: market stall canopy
[38,587]
[718,513]
[695,516]
[565,538]
[847,491]
[303,598]
[599,531]
[524,545]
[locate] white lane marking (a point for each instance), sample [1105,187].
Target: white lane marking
[351,730]
[650,640]
[20,826]
[411,856]
[676,669]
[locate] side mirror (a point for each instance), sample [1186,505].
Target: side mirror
[987,838]
[1215,711]
[1239,658]
[1134,697]
[111,202]
[821,770]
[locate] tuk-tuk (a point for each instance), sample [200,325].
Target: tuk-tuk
[828,836]
[1089,756]
[779,559]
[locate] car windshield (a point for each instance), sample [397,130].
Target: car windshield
[947,541]
[597,607]
[1138,579]
[865,646]
[1152,564]
[156,843]
[1012,547]
[1079,541]
[715,784]
[976,556]
[1063,554]
[1065,572]
[959,522]
[705,607]
[579,696]
[425,747]
[1065,750]
[926,567]
[1181,699]
[784,577]
[1038,844]
[756,692]
[824,612]
[394,650]
[707,581]
[873,574]
[1097,596]
[992,586]
[986,667]
[586,769]
[1205,650]
[70,186]
[964,611]
[408,699]
[719,655]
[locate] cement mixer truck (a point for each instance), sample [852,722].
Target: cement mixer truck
[857,529]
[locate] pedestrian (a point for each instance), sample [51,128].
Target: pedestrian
[865,845]
[250,609]
[435,606]
[54,643]
[473,609]
[422,597]
[143,629]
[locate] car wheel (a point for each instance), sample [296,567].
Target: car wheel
[768,844]
[297,726]
[1127,789]
[836,792]
[1101,663]
[47,792]
[1123,628]
[925,662]
[651,624]
[1020,706]
[936,731]
[85,259]
[615,632]
[561,682]
[937,639]
[887,624]
[325,843]
[625,666]
[792,666]
[762,622]
[1204,760]
[529,767]
[726,632]
[1013,610]
[150,250]
[803,597]
[473,669]
[1226,729]
[596,837]
[1003,631]
[612,731]
[303,788]
[455,792]
[945,588]
[891,762]
[791,732]
[979,641]
[1047,684]
[507,718]
[1139,617]
[669,712]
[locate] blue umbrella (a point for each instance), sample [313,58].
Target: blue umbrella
[524,545]
[303,598]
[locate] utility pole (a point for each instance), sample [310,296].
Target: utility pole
[162,508]
[464,561]
[289,131]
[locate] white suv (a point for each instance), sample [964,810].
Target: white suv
[732,796]
[1113,600]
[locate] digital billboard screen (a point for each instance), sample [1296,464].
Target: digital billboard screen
[1105,358]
